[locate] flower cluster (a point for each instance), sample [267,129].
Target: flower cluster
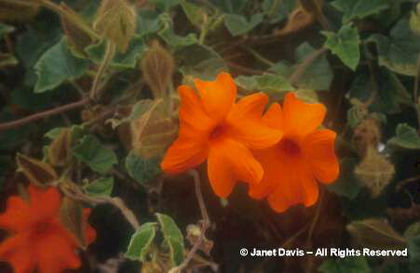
[280,153]
[38,240]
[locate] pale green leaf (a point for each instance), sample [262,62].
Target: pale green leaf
[141,242]
[406,137]
[270,83]
[173,237]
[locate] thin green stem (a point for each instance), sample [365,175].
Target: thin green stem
[259,57]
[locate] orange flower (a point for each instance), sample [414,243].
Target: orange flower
[214,127]
[304,154]
[38,239]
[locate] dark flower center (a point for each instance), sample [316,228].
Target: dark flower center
[218,131]
[289,147]
[42,228]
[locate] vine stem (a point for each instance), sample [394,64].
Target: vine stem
[205,224]
[77,194]
[44,114]
[95,92]
[295,77]
[72,17]
[416,91]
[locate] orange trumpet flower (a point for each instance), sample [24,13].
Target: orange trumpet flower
[214,127]
[304,154]
[38,238]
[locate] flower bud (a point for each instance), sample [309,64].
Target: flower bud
[375,171]
[158,68]
[116,20]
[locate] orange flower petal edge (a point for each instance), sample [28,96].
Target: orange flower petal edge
[38,239]
[303,156]
[214,127]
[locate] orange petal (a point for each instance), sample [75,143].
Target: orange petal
[56,253]
[17,216]
[320,152]
[17,251]
[184,154]
[41,197]
[217,96]
[301,118]
[287,181]
[246,125]
[193,118]
[90,231]
[230,161]
[274,116]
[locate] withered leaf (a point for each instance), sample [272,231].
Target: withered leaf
[18,10]
[36,171]
[59,152]
[375,233]
[193,234]
[153,131]
[71,214]
[298,20]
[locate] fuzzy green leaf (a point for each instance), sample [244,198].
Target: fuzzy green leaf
[414,250]
[265,83]
[345,44]
[100,187]
[359,9]
[142,170]
[173,237]
[238,24]
[400,50]
[141,241]
[406,138]
[347,184]
[346,265]
[98,157]
[57,65]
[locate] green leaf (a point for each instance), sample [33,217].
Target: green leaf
[412,231]
[57,65]
[165,4]
[406,137]
[100,187]
[347,184]
[277,10]
[148,22]
[399,51]
[318,76]
[414,257]
[194,13]
[359,9]
[95,155]
[173,237]
[231,6]
[391,93]
[238,24]
[4,29]
[200,61]
[346,265]
[140,169]
[173,40]
[126,60]
[141,241]
[265,83]
[345,44]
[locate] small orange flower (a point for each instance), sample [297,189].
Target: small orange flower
[304,154]
[38,239]
[214,127]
